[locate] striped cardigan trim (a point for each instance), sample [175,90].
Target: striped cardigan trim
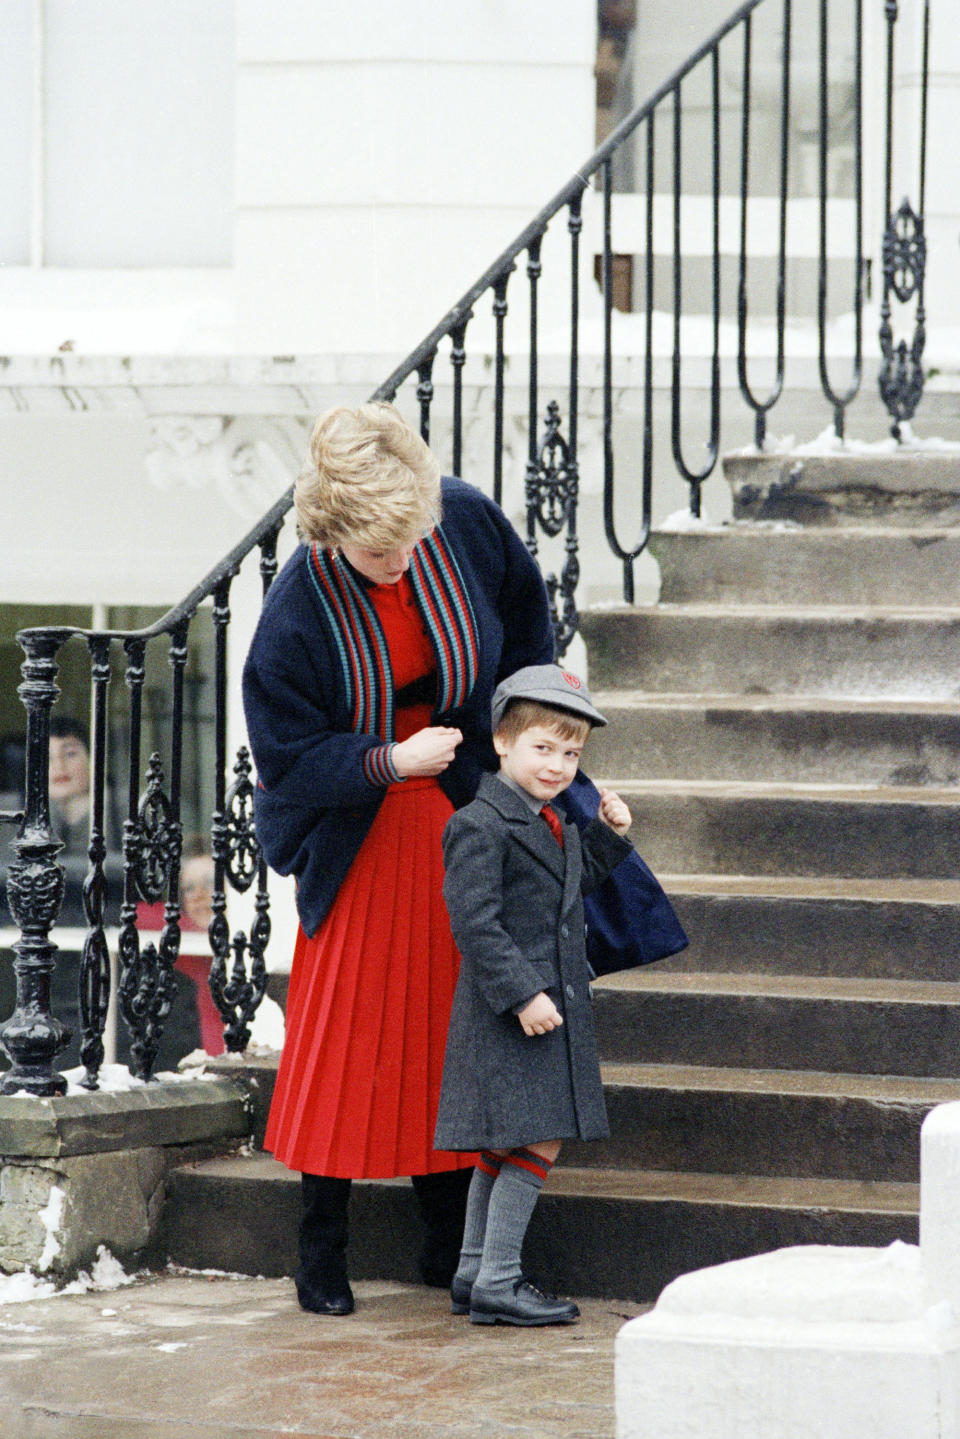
[360,643]
[378,765]
[446,608]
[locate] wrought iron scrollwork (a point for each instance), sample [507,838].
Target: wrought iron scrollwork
[159,836]
[32,1036]
[146,991]
[241,848]
[95,958]
[237,995]
[552,487]
[902,373]
[238,984]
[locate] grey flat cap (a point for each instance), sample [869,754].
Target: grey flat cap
[548,685]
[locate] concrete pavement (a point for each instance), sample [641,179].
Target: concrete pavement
[179,1355]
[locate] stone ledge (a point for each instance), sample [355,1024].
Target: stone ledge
[156,1115]
[896,488]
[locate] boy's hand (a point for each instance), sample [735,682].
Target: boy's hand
[614,812]
[540,1015]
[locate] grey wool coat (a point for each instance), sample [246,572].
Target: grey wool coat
[516,911]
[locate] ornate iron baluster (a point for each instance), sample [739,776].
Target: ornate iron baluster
[95,958]
[902,373]
[841,402]
[169,947]
[32,1036]
[237,859]
[552,504]
[236,848]
[150,839]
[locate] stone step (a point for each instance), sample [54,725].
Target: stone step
[761,924]
[853,1026]
[727,828]
[792,738]
[594,1232]
[855,652]
[749,563]
[800,1123]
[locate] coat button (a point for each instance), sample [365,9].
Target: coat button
[571,992]
[565,930]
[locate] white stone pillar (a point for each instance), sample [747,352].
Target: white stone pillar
[940,1204]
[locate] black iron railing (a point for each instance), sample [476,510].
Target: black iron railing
[152,828]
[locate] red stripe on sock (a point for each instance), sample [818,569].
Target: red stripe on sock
[489,1164]
[526,1159]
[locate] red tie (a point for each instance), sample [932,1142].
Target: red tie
[553,820]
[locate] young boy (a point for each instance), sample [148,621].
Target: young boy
[521,1070]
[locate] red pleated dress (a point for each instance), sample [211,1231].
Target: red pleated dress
[368,1005]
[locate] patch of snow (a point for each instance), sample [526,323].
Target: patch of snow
[171,1347]
[108,1272]
[682,520]
[21,1288]
[182,1270]
[828,443]
[267,1030]
[50,1216]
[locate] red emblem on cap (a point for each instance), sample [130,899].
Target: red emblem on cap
[571,680]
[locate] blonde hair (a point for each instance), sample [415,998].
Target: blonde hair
[371,481]
[521,714]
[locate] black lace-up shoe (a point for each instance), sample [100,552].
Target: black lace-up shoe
[459,1296]
[525,1305]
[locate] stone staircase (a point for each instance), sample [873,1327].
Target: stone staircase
[785,729]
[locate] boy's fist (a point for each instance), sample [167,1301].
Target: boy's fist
[614,812]
[540,1015]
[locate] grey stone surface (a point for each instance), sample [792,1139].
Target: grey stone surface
[182,1112]
[898,487]
[105,1158]
[724,1120]
[769,1023]
[757,829]
[750,563]
[815,927]
[182,1355]
[776,738]
[865,653]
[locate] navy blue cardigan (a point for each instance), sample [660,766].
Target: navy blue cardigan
[318,693]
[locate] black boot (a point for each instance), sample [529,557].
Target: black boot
[321,1278]
[443,1206]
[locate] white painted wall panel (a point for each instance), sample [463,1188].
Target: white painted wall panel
[497,31]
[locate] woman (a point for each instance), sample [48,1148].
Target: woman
[367,694]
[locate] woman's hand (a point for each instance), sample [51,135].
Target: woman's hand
[540,1015]
[427,752]
[614,812]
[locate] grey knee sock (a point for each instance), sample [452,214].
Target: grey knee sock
[512,1202]
[475,1224]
